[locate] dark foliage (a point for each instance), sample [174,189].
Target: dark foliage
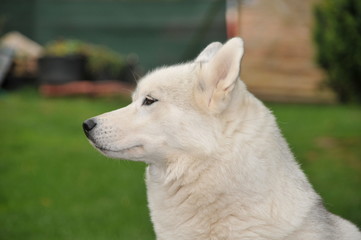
[337,35]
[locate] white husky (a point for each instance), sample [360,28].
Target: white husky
[218,166]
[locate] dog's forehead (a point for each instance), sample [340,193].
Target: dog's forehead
[167,81]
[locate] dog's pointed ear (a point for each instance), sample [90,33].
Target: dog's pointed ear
[208,53]
[218,76]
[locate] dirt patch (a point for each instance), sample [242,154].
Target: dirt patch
[346,149]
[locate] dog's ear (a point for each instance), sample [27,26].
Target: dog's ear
[208,53]
[218,76]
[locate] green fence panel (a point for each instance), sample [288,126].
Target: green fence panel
[159,32]
[17,15]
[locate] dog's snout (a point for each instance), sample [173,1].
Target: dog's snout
[88,125]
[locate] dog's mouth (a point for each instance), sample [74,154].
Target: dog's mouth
[122,150]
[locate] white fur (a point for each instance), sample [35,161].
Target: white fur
[219,167]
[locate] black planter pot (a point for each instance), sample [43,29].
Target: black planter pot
[59,70]
[104,75]
[14,83]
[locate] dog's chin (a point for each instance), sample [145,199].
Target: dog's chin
[134,153]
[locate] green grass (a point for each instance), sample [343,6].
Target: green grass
[326,140]
[54,185]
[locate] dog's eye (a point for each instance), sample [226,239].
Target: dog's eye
[149,101]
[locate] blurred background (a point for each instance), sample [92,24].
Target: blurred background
[63,61]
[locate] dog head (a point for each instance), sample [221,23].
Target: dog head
[174,109]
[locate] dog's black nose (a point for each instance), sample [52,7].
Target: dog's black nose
[88,125]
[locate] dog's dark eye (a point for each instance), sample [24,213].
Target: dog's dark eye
[149,101]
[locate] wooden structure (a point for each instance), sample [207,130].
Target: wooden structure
[279,57]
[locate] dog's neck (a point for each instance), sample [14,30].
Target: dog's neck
[190,187]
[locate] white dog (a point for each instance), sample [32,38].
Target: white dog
[218,166]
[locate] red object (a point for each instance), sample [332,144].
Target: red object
[87,88]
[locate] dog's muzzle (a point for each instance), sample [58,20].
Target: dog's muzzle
[88,126]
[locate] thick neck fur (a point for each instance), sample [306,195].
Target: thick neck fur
[191,190]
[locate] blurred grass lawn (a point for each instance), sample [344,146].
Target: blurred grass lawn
[54,185]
